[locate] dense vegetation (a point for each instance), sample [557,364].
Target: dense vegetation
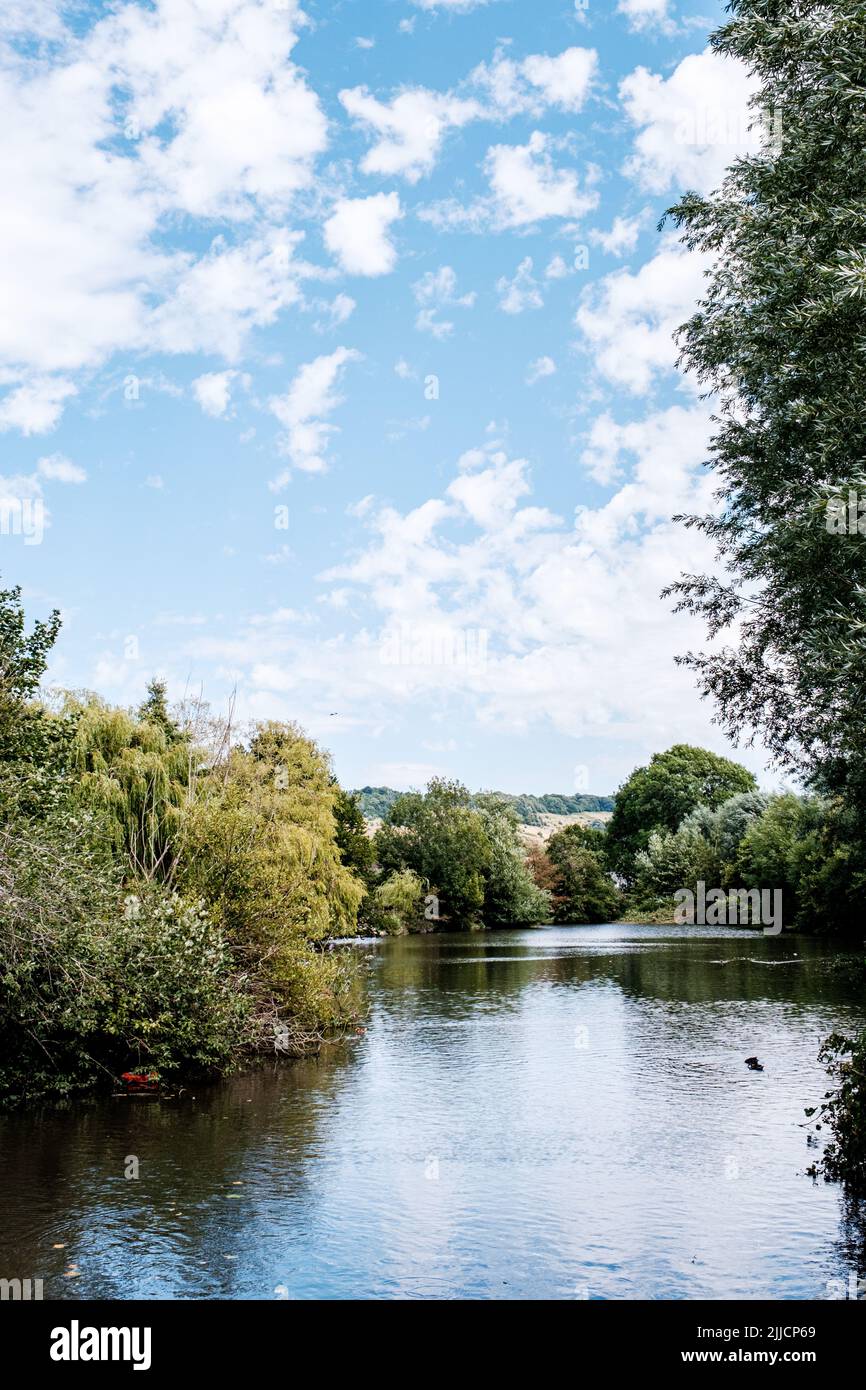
[778,337]
[164,889]
[465,853]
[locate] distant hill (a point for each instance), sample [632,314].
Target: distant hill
[376,802]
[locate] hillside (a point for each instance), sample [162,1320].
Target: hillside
[375,802]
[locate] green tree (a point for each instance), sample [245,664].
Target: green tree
[259,846]
[584,891]
[511,894]
[34,743]
[140,777]
[672,861]
[355,845]
[154,710]
[778,336]
[659,797]
[396,905]
[440,837]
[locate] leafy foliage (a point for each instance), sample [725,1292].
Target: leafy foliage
[844,1111]
[464,849]
[778,335]
[583,890]
[658,797]
[376,803]
[395,906]
[259,845]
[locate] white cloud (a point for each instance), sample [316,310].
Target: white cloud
[556,268]
[645,14]
[226,293]
[522,292]
[35,406]
[310,397]
[548,596]
[434,291]
[565,80]
[628,319]
[213,391]
[526,187]
[622,236]
[541,367]
[184,107]
[526,87]
[59,469]
[410,129]
[693,124]
[341,308]
[357,233]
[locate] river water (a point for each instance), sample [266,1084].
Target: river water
[557,1113]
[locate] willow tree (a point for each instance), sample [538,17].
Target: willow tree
[140,776]
[260,846]
[780,338]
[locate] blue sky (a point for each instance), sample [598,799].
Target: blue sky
[336,370]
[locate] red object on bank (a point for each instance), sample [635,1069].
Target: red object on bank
[140,1080]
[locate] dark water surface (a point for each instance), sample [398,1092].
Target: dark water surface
[561,1113]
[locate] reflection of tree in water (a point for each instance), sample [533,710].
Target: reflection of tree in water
[851,1245]
[188,1217]
[686,969]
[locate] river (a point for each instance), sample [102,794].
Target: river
[557,1113]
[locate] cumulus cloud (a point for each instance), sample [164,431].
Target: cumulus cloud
[36,404]
[692,125]
[622,236]
[175,109]
[628,319]
[59,469]
[409,130]
[526,186]
[527,86]
[213,391]
[547,593]
[356,233]
[310,397]
[645,14]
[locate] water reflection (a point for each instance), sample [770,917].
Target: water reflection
[560,1113]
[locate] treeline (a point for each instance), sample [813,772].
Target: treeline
[691,817]
[165,890]
[376,803]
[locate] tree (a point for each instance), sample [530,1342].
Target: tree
[440,837]
[659,797]
[154,710]
[778,335]
[511,895]
[140,777]
[355,846]
[584,890]
[396,905]
[674,861]
[34,744]
[259,845]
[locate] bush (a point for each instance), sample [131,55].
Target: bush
[95,980]
[584,891]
